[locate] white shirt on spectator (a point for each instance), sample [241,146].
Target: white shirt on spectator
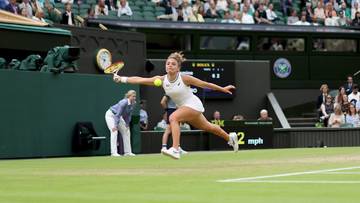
[222,5]
[333,21]
[292,20]
[354,96]
[271,15]
[28,8]
[70,22]
[247,19]
[124,11]
[319,13]
[353,12]
[162,124]
[67,1]
[301,23]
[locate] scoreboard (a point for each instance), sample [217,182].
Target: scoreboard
[221,73]
[252,134]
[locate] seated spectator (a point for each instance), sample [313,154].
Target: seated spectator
[324,89]
[212,12]
[124,9]
[228,18]
[260,15]
[187,11]
[171,11]
[28,7]
[352,117]
[12,7]
[345,10]
[345,104]
[319,12]
[246,18]
[270,14]
[222,5]
[217,119]
[3,4]
[356,21]
[354,97]
[238,117]
[68,15]
[143,116]
[339,96]
[198,15]
[161,125]
[302,20]
[67,1]
[330,20]
[101,8]
[39,16]
[342,19]
[236,11]
[349,84]
[337,118]
[354,10]
[309,12]
[293,18]
[264,115]
[184,126]
[197,5]
[327,108]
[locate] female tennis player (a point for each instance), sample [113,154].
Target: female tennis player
[190,108]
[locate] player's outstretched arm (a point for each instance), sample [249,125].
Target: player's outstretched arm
[190,80]
[136,80]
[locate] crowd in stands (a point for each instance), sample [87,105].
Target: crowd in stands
[341,109]
[300,12]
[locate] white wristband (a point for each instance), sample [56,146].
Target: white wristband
[123,79]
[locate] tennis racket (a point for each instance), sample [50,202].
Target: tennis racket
[114,68]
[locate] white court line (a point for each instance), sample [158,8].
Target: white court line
[286,175]
[344,173]
[304,181]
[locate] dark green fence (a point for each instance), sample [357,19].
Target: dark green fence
[39,112]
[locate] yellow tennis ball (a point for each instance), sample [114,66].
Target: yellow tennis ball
[157,82]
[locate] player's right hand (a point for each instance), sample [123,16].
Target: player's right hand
[116,78]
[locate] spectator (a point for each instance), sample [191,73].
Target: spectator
[356,21]
[309,12]
[228,18]
[349,84]
[319,12]
[236,11]
[3,4]
[345,10]
[28,6]
[260,15]
[337,118]
[238,117]
[39,16]
[324,89]
[187,11]
[246,17]
[197,5]
[264,115]
[212,12]
[101,8]
[143,116]
[170,107]
[354,97]
[339,96]
[118,118]
[67,1]
[342,19]
[352,117]
[217,119]
[198,15]
[184,126]
[12,7]
[23,12]
[163,124]
[68,15]
[222,5]
[293,18]
[326,109]
[124,9]
[287,6]
[170,11]
[270,14]
[330,20]
[354,10]
[302,20]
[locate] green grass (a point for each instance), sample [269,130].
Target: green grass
[156,178]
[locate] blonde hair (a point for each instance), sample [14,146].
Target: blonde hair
[178,56]
[130,93]
[323,86]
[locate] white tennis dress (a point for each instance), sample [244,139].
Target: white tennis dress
[182,94]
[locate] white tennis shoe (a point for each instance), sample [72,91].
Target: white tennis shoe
[233,141]
[172,152]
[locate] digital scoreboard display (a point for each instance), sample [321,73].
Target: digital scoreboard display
[221,73]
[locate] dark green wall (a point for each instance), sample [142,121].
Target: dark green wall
[39,111]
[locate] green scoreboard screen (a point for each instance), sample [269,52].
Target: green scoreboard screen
[252,134]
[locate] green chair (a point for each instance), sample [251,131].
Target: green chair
[112,13]
[125,17]
[160,9]
[59,5]
[148,8]
[137,17]
[93,2]
[149,18]
[84,6]
[135,8]
[139,3]
[148,13]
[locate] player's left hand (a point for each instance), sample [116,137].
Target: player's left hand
[228,89]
